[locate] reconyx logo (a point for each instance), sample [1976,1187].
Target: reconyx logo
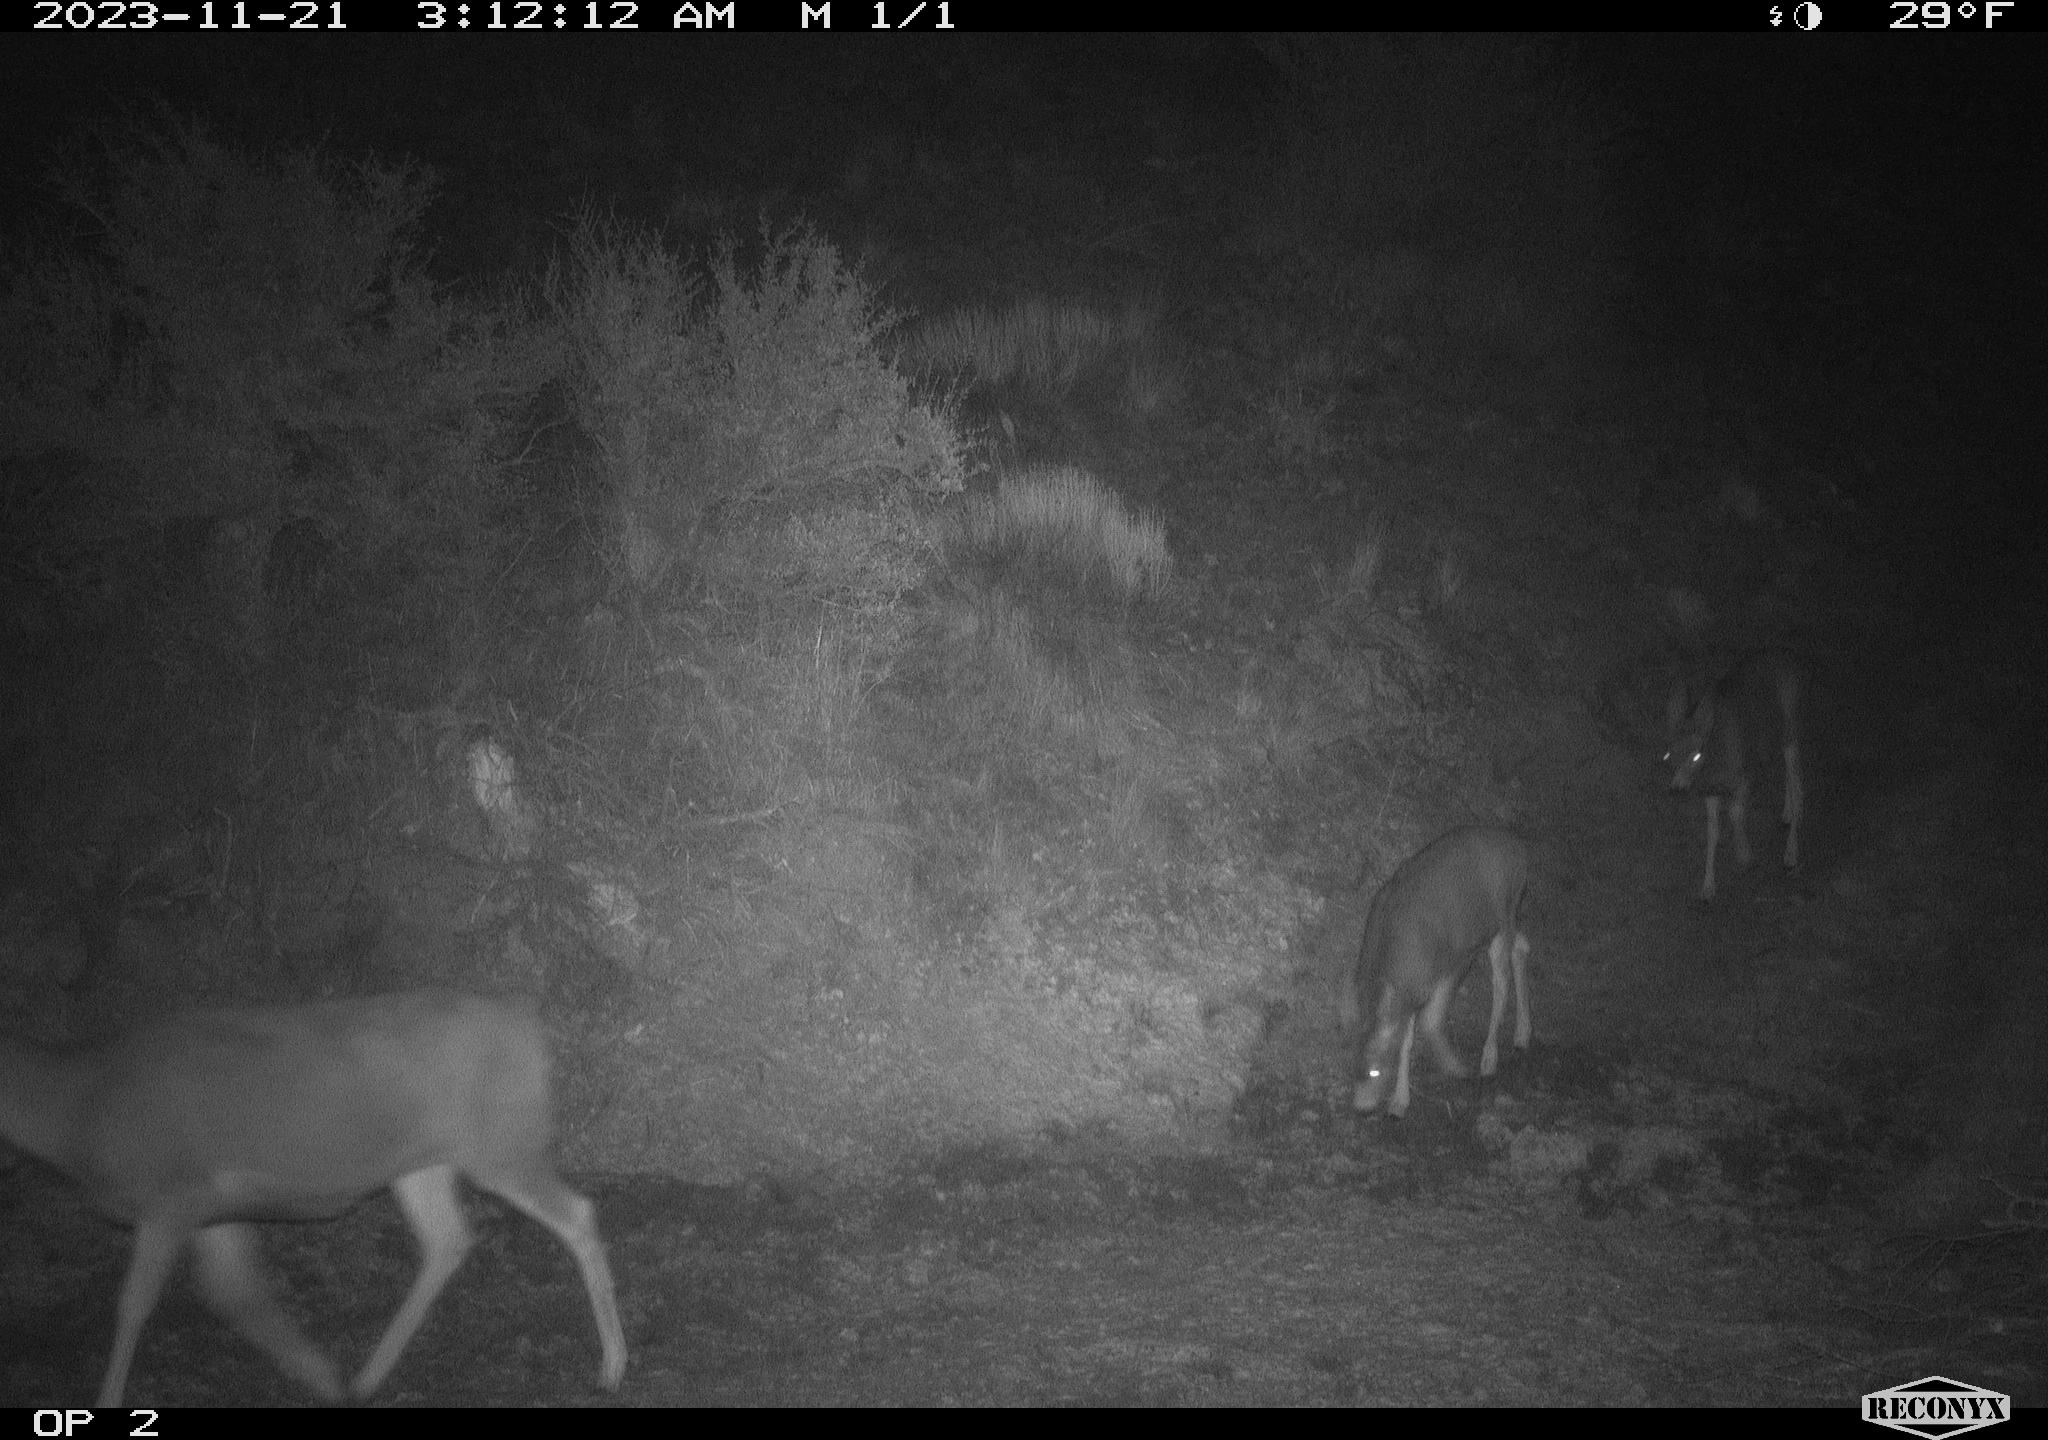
[1936,1407]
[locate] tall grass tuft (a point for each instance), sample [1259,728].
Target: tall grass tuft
[1063,526]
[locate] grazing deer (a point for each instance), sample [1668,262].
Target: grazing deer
[190,1127]
[1721,731]
[1459,894]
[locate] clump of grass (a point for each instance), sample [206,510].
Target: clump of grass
[1047,347]
[1040,575]
[1063,527]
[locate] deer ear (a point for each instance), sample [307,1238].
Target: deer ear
[1674,707]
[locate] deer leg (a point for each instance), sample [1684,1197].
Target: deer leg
[231,1279]
[428,1199]
[1795,805]
[157,1243]
[1520,960]
[1713,844]
[573,1218]
[1431,1023]
[1398,1106]
[1497,952]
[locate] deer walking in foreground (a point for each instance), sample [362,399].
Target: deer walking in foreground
[1459,894]
[191,1127]
[1722,733]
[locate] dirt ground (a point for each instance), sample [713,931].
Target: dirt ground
[1411,1268]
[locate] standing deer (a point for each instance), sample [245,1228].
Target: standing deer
[189,1128]
[1721,732]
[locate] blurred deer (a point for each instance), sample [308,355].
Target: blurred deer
[191,1127]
